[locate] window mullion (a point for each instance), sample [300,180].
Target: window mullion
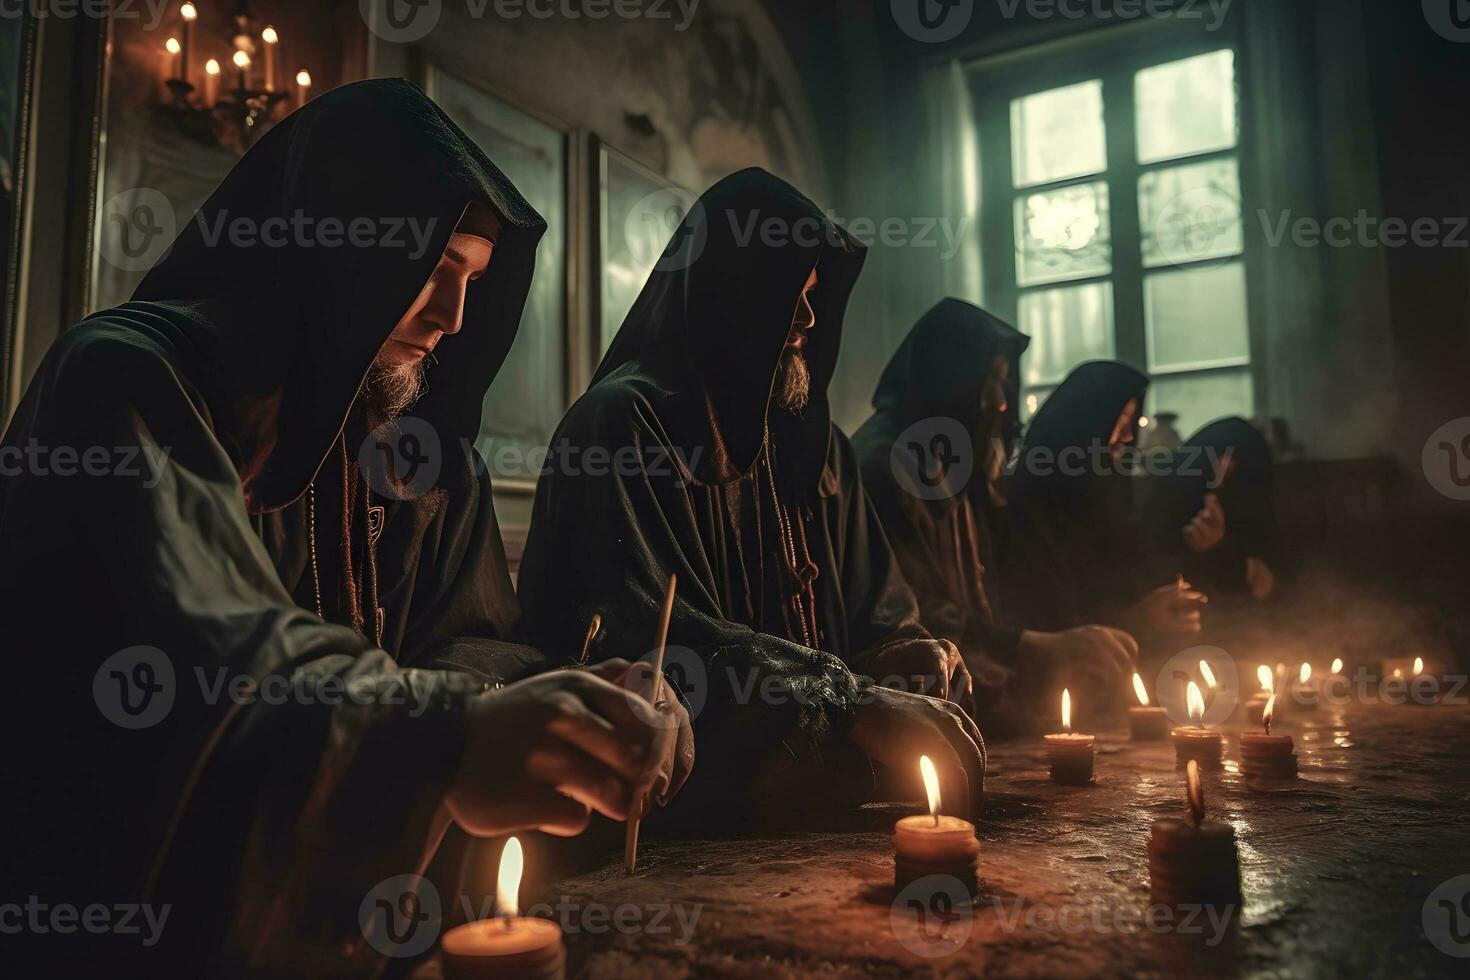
[1123,171]
[998,236]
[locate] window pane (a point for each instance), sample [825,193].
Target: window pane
[1199,399]
[1066,326]
[1190,213]
[1058,134]
[1196,317]
[1063,234]
[1186,107]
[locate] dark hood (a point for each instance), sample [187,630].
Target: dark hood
[940,368]
[287,331]
[1247,491]
[709,327]
[1081,413]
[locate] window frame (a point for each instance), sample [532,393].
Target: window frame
[1113,54]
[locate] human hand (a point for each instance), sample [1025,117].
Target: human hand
[932,667]
[1102,654]
[1206,529]
[894,728]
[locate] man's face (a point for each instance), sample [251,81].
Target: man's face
[1123,428]
[793,379]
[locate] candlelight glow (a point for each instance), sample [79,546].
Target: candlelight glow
[1337,666]
[508,883]
[303,78]
[1066,710]
[188,11]
[1196,791]
[1207,674]
[1418,666]
[241,59]
[211,67]
[1263,674]
[1306,673]
[172,46]
[931,783]
[1268,713]
[1196,704]
[1397,672]
[1139,689]
[269,35]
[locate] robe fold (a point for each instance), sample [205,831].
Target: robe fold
[944,545]
[260,770]
[786,584]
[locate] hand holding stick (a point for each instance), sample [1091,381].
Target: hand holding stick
[635,815]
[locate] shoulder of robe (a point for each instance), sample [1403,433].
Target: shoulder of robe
[106,355]
[613,410]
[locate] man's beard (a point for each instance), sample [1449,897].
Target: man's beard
[793,381]
[390,390]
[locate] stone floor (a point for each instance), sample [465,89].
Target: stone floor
[1338,868]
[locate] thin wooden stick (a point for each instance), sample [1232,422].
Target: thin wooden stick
[591,635]
[635,817]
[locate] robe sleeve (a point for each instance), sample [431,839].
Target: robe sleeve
[296,766]
[615,515]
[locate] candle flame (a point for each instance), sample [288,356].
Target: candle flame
[1418,666]
[1207,674]
[211,67]
[1196,704]
[303,78]
[1263,674]
[172,46]
[269,36]
[508,883]
[188,11]
[1306,673]
[1196,792]
[931,784]
[1268,713]
[1140,690]
[1066,710]
[241,59]
[1397,672]
[1337,665]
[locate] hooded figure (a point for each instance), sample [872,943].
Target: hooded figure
[1071,555]
[1230,459]
[678,461]
[943,541]
[149,609]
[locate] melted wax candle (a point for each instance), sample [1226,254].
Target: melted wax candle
[1071,755]
[508,947]
[933,844]
[1198,744]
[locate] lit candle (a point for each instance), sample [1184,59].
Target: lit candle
[242,62]
[303,87]
[211,82]
[190,15]
[174,54]
[1257,702]
[271,39]
[1071,755]
[1145,723]
[508,946]
[1197,744]
[1192,862]
[935,844]
[1267,755]
[1305,692]
[1337,665]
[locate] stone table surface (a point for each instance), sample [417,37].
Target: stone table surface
[1338,870]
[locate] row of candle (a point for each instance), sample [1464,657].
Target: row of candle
[180,62]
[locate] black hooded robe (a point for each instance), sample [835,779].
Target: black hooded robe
[1071,551]
[942,543]
[264,822]
[784,576]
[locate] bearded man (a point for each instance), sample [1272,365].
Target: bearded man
[705,450]
[264,676]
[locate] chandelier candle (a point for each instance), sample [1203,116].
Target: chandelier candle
[1071,755]
[509,945]
[1146,723]
[1198,744]
[1267,756]
[1191,862]
[933,844]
